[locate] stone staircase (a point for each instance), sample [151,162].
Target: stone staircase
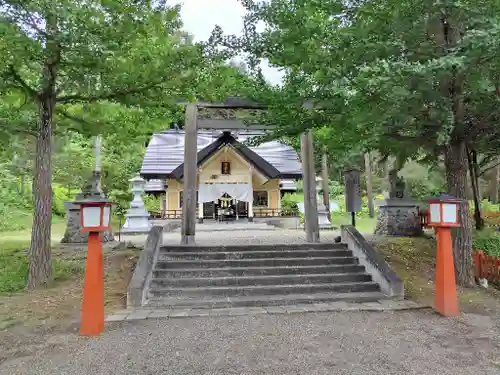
[262,275]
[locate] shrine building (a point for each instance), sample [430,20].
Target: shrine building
[233,179]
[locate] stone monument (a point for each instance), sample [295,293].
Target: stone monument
[323,219]
[92,187]
[137,216]
[398,215]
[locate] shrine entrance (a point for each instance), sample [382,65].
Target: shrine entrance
[224,202]
[229,209]
[227,122]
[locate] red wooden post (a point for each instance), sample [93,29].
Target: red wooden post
[93,289]
[95,216]
[443,215]
[446,302]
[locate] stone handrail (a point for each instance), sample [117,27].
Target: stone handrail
[390,284]
[137,289]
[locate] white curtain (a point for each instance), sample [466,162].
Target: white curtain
[211,192]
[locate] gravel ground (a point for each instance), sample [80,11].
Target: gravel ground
[413,342]
[244,237]
[237,237]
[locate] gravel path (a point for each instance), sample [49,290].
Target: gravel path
[237,237]
[414,342]
[244,237]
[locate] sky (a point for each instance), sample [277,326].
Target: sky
[201,16]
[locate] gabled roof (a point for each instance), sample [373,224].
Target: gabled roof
[164,156]
[226,139]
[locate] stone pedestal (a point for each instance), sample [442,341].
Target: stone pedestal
[137,217]
[398,217]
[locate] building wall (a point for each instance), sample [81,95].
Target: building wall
[272,187]
[240,169]
[241,172]
[173,194]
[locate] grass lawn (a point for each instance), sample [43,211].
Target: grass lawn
[363,224]
[14,258]
[31,320]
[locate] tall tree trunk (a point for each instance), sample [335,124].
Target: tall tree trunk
[456,178]
[40,259]
[473,173]
[369,185]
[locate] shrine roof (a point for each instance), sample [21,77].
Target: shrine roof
[164,156]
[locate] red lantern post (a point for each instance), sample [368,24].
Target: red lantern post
[95,216]
[443,215]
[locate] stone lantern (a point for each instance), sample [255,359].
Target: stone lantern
[323,219]
[137,217]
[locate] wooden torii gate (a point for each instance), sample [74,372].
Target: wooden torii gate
[193,123]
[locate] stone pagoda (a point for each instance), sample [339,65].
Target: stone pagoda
[73,234]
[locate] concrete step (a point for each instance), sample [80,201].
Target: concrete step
[253,247]
[260,280]
[163,263]
[259,301]
[256,290]
[201,255]
[256,271]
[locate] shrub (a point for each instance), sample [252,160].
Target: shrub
[122,200]
[487,240]
[151,203]
[289,207]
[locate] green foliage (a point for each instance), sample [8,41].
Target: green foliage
[289,206]
[61,196]
[335,188]
[487,206]
[15,202]
[151,203]
[487,240]
[121,198]
[422,181]
[73,160]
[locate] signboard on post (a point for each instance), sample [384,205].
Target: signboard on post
[352,186]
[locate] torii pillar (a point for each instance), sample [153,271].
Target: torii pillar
[311,222]
[190,176]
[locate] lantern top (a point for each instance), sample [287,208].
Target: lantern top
[136,178]
[445,197]
[93,199]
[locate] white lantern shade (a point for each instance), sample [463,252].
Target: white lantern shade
[106,215]
[450,213]
[435,212]
[91,216]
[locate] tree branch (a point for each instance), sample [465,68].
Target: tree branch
[10,129]
[107,96]
[17,78]
[488,169]
[79,120]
